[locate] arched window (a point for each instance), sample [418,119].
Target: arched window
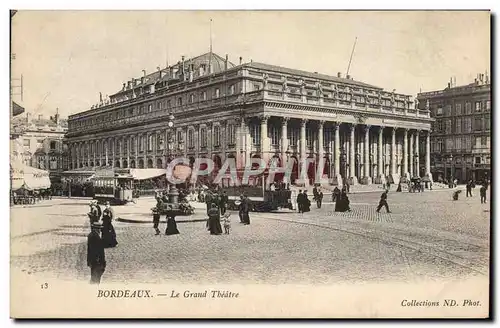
[216,136]
[217,93]
[150,142]
[203,137]
[231,134]
[203,96]
[190,138]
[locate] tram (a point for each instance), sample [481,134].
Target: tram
[262,198]
[115,188]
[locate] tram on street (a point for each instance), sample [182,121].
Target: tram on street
[263,198]
[115,188]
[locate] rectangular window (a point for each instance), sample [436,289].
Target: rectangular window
[150,108]
[439,111]
[487,123]
[478,160]
[477,142]
[464,143]
[449,144]
[310,136]
[468,124]
[255,132]
[180,138]
[468,108]
[231,89]
[275,136]
[458,109]
[488,105]
[448,110]
[231,134]
[159,105]
[477,124]
[458,143]
[448,126]
[483,141]
[191,98]
[478,106]
[217,93]
[292,136]
[203,96]
[458,125]
[203,137]
[179,101]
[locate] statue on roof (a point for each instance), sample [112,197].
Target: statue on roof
[302,87]
[335,91]
[427,105]
[285,85]
[406,102]
[320,89]
[265,77]
[380,97]
[393,98]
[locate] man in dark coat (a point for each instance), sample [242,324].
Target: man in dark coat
[95,254]
[300,201]
[482,193]
[306,203]
[208,200]
[319,199]
[156,220]
[383,202]
[468,188]
[223,202]
[245,209]
[335,194]
[315,193]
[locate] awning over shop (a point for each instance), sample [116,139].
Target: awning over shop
[28,177]
[144,174]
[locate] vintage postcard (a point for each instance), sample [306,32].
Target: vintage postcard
[250,164]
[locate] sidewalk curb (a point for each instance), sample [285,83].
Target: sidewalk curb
[161,221]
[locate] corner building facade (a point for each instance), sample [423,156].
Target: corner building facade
[254,110]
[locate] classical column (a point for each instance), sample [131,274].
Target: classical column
[417,152]
[411,153]
[428,155]
[303,152]
[239,134]
[264,145]
[393,152]
[77,147]
[380,153]
[284,139]
[321,148]
[136,140]
[223,139]
[366,165]
[352,154]
[210,139]
[405,153]
[337,149]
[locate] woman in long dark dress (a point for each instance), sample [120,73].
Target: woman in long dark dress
[108,231]
[307,203]
[171,224]
[214,225]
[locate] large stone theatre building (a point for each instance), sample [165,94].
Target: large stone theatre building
[223,110]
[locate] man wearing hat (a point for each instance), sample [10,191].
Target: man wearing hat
[156,220]
[95,254]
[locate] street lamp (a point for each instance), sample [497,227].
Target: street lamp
[173,193]
[451,170]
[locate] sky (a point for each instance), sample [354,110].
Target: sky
[68,57]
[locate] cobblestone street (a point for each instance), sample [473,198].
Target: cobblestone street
[427,236]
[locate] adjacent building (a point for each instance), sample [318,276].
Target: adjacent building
[223,110]
[38,142]
[461,133]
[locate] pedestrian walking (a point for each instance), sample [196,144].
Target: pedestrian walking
[306,203]
[383,202]
[171,228]
[482,193]
[96,259]
[319,199]
[468,189]
[335,194]
[223,203]
[108,231]
[214,220]
[300,201]
[245,209]
[156,220]
[227,223]
[293,199]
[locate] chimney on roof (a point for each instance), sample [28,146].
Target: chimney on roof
[339,75]
[56,117]
[40,116]
[449,85]
[183,67]
[201,70]
[142,79]
[143,72]
[124,86]
[225,62]
[191,72]
[241,60]
[348,77]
